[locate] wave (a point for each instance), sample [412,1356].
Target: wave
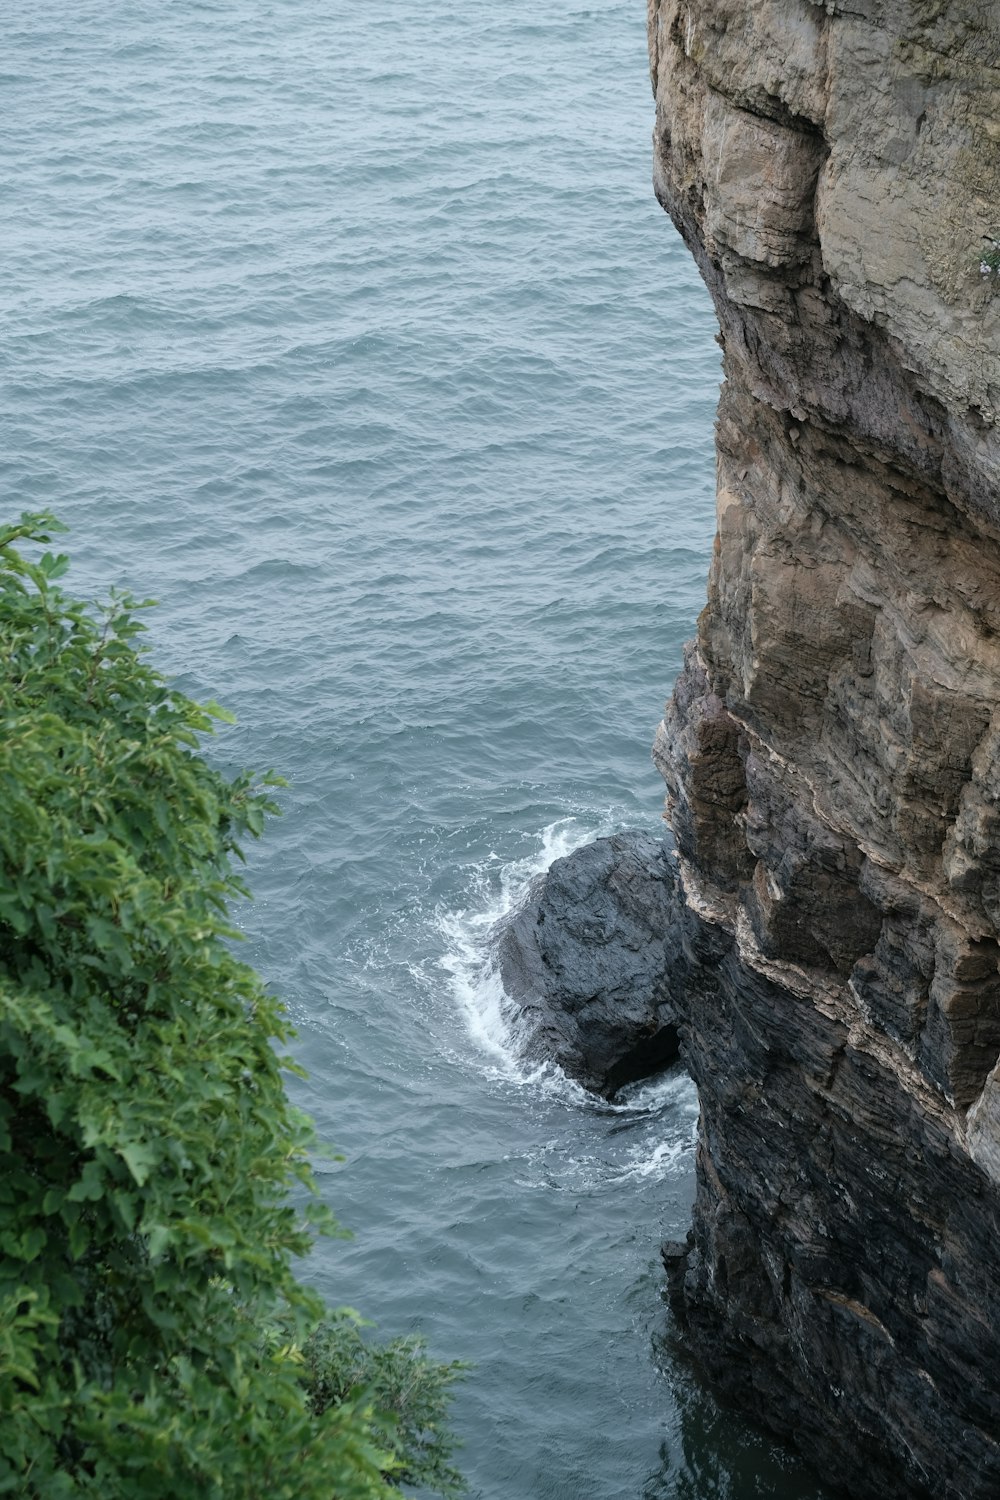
[493,1022]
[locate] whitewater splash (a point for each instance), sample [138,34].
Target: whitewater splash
[495,1025]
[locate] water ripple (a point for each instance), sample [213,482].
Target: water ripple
[355,335]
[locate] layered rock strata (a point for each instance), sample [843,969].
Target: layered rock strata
[584,961]
[832,748]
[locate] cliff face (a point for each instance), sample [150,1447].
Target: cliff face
[832,749]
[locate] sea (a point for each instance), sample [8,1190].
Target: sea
[353,334]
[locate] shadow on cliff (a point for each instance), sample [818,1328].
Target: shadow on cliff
[712,1453]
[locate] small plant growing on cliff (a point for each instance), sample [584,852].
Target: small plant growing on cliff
[154,1342]
[989,263]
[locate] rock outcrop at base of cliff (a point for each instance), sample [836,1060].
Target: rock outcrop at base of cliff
[832,748]
[584,962]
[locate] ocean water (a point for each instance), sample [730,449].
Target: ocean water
[354,335]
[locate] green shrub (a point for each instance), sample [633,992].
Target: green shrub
[410,1393]
[989,259]
[152,1335]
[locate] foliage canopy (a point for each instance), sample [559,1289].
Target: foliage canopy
[153,1339]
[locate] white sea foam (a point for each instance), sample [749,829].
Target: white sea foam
[660,1150]
[493,1022]
[494,1025]
[656,1158]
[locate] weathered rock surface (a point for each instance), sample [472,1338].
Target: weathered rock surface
[584,961]
[832,749]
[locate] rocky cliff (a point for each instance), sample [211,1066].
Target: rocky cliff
[832,749]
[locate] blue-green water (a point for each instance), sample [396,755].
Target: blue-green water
[354,334]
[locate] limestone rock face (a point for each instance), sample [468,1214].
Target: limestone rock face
[584,961]
[832,749]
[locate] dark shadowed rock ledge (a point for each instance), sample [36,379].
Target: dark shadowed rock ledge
[584,961]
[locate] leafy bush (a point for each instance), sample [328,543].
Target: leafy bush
[153,1339]
[410,1394]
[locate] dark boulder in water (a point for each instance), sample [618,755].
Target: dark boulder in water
[584,960]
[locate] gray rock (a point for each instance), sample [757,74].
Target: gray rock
[832,748]
[583,959]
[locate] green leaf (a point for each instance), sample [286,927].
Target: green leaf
[140,1158]
[79,1238]
[216,711]
[90,1185]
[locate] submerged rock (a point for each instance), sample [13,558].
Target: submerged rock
[584,960]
